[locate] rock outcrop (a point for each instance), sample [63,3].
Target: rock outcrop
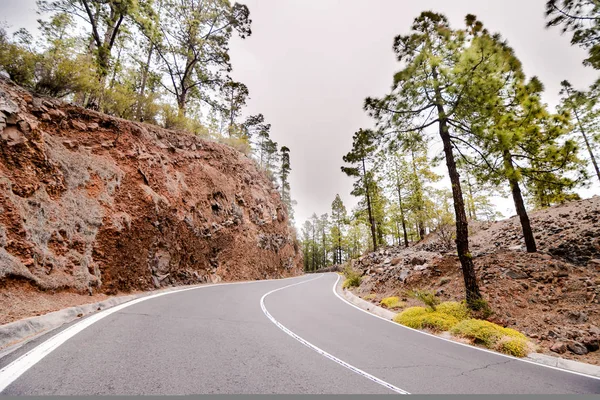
[553,296]
[94,203]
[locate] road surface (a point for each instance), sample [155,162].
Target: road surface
[284,336]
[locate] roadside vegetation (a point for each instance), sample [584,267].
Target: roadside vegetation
[162,62]
[457,318]
[466,88]
[391,303]
[353,277]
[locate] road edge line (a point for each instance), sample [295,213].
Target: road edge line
[12,371]
[334,289]
[319,350]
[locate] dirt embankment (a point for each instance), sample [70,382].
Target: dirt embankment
[552,296]
[95,205]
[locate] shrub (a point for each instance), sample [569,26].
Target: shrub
[420,317]
[411,317]
[482,308]
[370,297]
[426,296]
[513,346]
[240,144]
[485,332]
[353,277]
[351,282]
[455,309]
[391,302]
[438,321]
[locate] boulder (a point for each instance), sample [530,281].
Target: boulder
[516,274]
[577,348]
[417,261]
[559,347]
[591,344]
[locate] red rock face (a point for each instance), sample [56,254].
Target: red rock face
[95,203]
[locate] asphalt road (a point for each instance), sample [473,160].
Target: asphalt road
[220,339]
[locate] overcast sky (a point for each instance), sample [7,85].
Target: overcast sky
[309,64]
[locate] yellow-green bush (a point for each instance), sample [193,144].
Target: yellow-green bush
[485,332]
[411,317]
[352,282]
[420,317]
[454,308]
[353,277]
[370,297]
[513,346]
[438,321]
[454,316]
[391,302]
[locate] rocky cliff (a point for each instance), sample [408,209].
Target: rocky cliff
[91,203]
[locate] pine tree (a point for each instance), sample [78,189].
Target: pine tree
[397,175]
[360,157]
[585,116]
[338,219]
[284,173]
[235,95]
[426,93]
[513,135]
[193,47]
[582,17]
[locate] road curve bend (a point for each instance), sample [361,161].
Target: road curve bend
[282,336]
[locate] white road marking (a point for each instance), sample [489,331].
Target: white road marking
[18,367]
[319,350]
[458,343]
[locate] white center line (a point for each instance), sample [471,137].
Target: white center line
[319,350]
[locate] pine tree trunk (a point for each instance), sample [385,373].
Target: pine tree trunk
[402,218]
[368,196]
[462,225]
[339,245]
[519,203]
[420,223]
[314,266]
[400,205]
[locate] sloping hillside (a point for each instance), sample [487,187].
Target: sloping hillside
[552,296]
[93,204]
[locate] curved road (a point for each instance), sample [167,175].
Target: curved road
[286,336]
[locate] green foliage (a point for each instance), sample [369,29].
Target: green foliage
[360,159]
[240,144]
[583,111]
[370,296]
[352,282]
[460,311]
[411,317]
[17,61]
[514,346]
[353,277]
[482,308]
[428,297]
[420,318]
[391,302]
[454,317]
[582,18]
[484,332]
[338,219]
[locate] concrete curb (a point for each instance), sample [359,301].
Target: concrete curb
[544,359]
[16,334]
[365,305]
